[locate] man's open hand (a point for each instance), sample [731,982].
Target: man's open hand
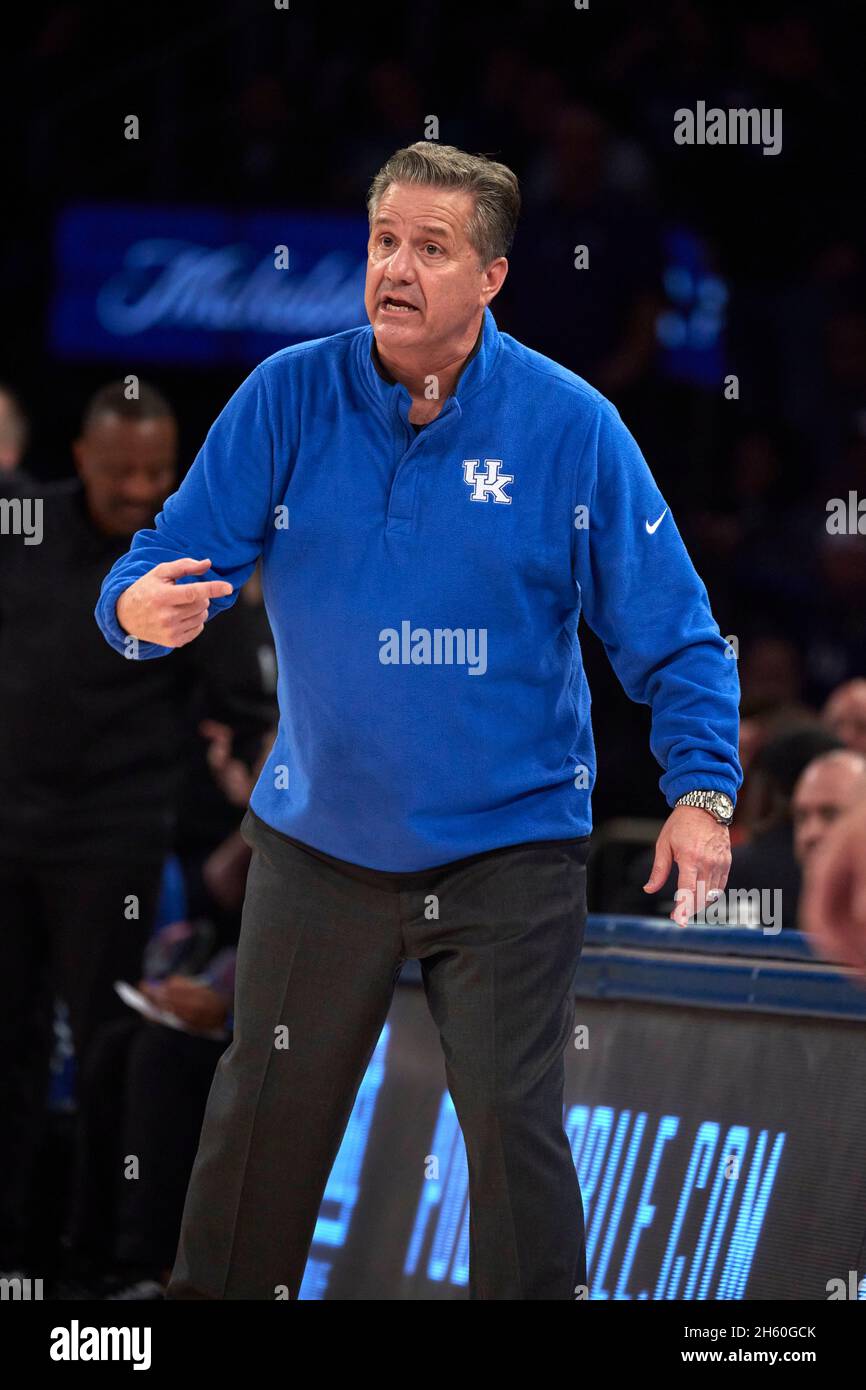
[701,849]
[158,609]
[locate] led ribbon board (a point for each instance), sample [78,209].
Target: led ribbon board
[716,1114]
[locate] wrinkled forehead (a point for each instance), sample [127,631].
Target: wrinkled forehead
[427,208]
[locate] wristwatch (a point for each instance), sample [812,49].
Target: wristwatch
[718,805]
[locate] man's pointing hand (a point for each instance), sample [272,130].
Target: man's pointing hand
[158,609]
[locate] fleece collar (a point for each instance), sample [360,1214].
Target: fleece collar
[392,396]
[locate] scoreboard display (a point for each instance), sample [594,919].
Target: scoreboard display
[716,1110]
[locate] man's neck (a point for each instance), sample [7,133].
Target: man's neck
[415,375]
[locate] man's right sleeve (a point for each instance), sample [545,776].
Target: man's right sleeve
[220,512]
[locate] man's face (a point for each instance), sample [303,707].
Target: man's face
[419,255]
[128,468]
[845,715]
[825,790]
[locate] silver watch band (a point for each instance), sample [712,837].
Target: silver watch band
[716,803]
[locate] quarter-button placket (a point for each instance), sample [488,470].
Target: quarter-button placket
[401,501]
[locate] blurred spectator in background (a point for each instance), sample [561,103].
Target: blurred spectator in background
[845,714]
[145,1086]
[263,134]
[764,859]
[90,751]
[833,623]
[598,318]
[14,433]
[767,861]
[833,907]
[830,407]
[224,737]
[771,678]
[387,113]
[747,518]
[827,787]
[771,681]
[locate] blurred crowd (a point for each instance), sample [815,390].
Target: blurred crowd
[245,112]
[122,869]
[580,104]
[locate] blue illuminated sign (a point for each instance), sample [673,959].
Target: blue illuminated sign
[444,1205]
[599,1135]
[691,329]
[202,285]
[701,1194]
[344,1183]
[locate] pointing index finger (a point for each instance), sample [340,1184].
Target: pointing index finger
[206,589]
[175,569]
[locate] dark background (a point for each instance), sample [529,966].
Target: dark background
[249,107]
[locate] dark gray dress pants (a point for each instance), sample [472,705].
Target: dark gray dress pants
[498,936]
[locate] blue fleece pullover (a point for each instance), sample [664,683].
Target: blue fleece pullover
[424,592]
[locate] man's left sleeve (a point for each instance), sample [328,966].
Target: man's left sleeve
[641,594]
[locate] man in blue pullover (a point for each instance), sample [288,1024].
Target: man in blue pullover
[435,504]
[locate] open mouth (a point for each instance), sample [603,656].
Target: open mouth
[393,304]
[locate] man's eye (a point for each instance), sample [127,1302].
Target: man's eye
[432,245]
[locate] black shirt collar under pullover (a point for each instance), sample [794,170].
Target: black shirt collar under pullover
[392,381]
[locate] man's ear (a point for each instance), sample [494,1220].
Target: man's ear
[495,278]
[78,456]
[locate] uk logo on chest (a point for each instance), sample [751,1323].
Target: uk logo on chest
[486,481]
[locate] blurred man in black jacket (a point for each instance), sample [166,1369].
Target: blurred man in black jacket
[91,754]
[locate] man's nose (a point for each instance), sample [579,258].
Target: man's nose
[143,495]
[811,840]
[399,265]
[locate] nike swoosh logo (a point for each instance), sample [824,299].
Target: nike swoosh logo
[651,530]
